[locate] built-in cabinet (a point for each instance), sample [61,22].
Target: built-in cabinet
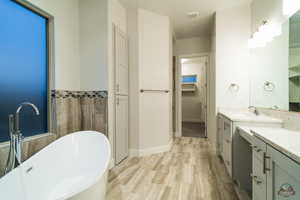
[220,135]
[283,176]
[259,178]
[275,176]
[224,141]
[121,95]
[227,144]
[228,140]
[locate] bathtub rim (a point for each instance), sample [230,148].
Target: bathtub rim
[83,187]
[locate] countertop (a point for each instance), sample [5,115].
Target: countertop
[285,141]
[247,116]
[246,133]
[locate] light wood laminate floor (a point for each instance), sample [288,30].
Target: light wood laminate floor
[190,171]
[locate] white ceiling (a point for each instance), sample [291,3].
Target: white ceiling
[184,26]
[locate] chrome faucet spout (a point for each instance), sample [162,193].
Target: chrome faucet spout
[17,119]
[255,110]
[17,131]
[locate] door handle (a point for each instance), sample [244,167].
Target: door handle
[118,101]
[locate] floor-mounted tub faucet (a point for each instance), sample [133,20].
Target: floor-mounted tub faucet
[18,132]
[16,138]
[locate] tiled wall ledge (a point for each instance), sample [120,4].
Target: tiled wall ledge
[290,119]
[71,111]
[31,146]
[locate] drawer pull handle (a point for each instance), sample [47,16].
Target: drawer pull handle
[258,150]
[255,178]
[265,169]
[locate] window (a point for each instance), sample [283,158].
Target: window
[23,68]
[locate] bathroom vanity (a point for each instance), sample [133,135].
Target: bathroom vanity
[228,120]
[275,158]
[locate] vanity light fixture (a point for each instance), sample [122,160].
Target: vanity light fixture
[266,32]
[290,7]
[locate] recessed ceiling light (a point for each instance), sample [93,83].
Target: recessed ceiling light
[193,14]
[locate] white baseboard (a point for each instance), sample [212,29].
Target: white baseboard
[111,163]
[150,151]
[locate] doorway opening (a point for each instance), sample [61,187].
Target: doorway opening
[191,95]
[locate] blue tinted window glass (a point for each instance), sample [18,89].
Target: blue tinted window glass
[23,64]
[189,79]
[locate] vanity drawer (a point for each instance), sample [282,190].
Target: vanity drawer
[259,148]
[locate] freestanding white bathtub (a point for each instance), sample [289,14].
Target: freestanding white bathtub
[74,167]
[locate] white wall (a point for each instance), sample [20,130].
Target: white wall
[271,63]
[67,56]
[192,45]
[270,10]
[93,44]
[233,28]
[211,109]
[154,72]
[229,63]
[193,102]
[132,19]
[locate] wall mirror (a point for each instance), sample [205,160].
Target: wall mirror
[275,70]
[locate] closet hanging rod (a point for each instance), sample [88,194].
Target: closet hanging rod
[165,91]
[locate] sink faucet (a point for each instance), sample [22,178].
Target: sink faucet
[255,111]
[17,131]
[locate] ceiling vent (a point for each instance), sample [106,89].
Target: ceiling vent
[193,15]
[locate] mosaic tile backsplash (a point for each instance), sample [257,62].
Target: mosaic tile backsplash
[71,111]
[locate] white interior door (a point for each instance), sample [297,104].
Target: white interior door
[121,95]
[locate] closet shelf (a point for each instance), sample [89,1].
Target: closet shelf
[188,87]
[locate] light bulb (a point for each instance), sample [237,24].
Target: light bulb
[256,43]
[269,31]
[290,7]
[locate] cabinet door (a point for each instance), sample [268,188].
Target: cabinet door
[259,180]
[227,145]
[227,156]
[283,177]
[121,128]
[121,62]
[220,134]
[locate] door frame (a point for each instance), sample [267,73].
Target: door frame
[178,90]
